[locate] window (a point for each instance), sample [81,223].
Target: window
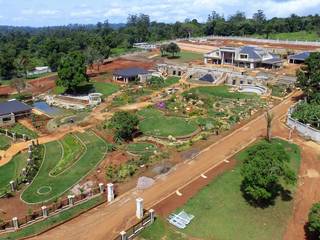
[174,72]
[179,73]
[243,56]
[233,82]
[241,82]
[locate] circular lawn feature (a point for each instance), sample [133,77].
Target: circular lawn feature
[44,190]
[141,148]
[159,125]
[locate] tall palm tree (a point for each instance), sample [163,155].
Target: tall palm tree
[269,118]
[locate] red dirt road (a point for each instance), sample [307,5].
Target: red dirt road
[107,220]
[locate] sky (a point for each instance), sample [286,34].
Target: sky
[62,12]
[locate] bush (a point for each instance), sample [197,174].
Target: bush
[314,220]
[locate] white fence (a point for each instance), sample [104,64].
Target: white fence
[303,129]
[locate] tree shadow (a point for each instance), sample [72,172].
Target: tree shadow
[279,191]
[310,235]
[82,89]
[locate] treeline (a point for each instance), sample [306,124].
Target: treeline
[23,48]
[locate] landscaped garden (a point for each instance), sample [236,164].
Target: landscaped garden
[5,142]
[141,148]
[20,129]
[130,95]
[70,167]
[222,212]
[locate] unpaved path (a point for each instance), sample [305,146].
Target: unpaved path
[106,221]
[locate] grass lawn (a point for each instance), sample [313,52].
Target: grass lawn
[302,36]
[5,142]
[221,91]
[121,51]
[157,124]
[94,153]
[53,221]
[72,150]
[20,129]
[222,213]
[12,170]
[170,81]
[278,90]
[186,56]
[141,148]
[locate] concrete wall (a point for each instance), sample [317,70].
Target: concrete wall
[303,129]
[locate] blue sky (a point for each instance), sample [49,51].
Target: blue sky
[58,12]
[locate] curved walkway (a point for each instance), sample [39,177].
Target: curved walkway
[106,221]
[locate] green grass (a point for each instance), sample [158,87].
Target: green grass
[96,148]
[12,170]
[221,212]
[170,81]
[278,90]
[300,36]
[186,56]
[141,148]
[220,91]
[5,142]
[106,89]
[157,124]
[72,150]
[121,51]
[41,226]
[20,129]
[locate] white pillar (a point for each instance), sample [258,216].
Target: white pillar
[29,161]
[71,200]
[44,211]
[110,192]
[24,137]
[152,215]
[14,136]
[139,208]
[15,223]
[24,172]
[101,187]
[123,235]
[7,133]
[13,186]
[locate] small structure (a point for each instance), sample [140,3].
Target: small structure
[171,70]
[39,70]
[246,56]
[131,74]
[145,46]
[11,110]
[298,58]
[208,78]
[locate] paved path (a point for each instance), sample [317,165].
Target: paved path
[106,221]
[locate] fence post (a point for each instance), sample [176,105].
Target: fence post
[13,185]
[123,235]
[14,136]
[110,192]
[29,161]
[139,208]
[7,132]
[15,223]
[101,187]
[151,212]
[45,212]
[24,172]
[24,137]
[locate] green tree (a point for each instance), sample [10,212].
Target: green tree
[124,125]
[173,48]
[308,77]
[72,71]
[155,81]
[314,220]
[263,170]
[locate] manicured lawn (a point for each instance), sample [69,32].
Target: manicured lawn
[72,150]
[278,90]
[186,56]
[5,142]
[302,36]
[20,129]
[221,212]
[141,148]
[94,153]
[221,91]
[53,221]
[170,81]
[105,88]
[157,124]
[12,170]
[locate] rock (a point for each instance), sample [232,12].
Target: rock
[144,183]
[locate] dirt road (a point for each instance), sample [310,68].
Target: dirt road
[106,221]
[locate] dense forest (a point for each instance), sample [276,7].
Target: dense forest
[23,48]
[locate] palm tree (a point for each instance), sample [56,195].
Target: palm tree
[269,118]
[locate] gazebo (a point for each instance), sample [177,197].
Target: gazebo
[129,74]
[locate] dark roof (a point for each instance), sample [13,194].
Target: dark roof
[300,56]
[250,51]
[130,72]
[207,78]
[13,106]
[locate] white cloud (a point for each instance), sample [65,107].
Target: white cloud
[48,12]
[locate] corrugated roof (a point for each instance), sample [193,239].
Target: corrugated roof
[300,56]
[207,78]
[130,72]
[13,106]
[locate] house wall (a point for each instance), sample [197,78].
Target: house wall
[7,120]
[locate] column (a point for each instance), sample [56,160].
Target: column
[110,190]
[101,187]
[71,200]
[15,223]
[45,212]
[139,208]
[13,186]
[123,235]
[152,215]
[14,136]
[7,133]
[24,172]
[24,137]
